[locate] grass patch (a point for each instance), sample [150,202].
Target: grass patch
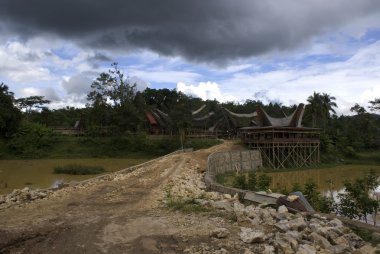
[76,169]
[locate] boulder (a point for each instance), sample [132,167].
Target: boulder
[306,249]
[282,226]
[282,209]
[335,223]
[366,249]
[249,235]
[298,224]
[268,249]
[221,204]
[341,240]
[292,241]
[220,233]
[340,249]
[239,210]
[283,247]
[320,240]
[354,240]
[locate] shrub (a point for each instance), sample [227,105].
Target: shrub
[75,169]
[316,199]
[264,182]
[31,140]
[252,181]
[240,182]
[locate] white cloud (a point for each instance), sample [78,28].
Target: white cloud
[356,80]
[48,92]
[141,84]
[78,84]
[206,91]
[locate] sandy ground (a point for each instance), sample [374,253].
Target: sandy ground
[125,215]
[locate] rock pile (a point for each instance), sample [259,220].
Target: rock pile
[22,196]
[265,229]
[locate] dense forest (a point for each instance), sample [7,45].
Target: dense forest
[114,104]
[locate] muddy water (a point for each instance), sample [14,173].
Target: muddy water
[336,175]
[16,174]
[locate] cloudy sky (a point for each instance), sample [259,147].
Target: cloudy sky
[265,50]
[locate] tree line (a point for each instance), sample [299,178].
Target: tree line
[115,103]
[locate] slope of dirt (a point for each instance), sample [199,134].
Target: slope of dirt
[122,215]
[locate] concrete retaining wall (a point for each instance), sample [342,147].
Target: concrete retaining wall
[238,161]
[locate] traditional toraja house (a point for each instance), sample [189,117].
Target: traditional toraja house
[203,123]
[157,121]
[236,121]
[283,142]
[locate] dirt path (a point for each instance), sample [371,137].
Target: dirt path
[124,215]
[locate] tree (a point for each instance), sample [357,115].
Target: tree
[359,110]
[112,87]
[10,116]
[112,98]
[320,106]
[31,102]
[356,201]
[375,105]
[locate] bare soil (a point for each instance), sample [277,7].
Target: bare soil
[120,216]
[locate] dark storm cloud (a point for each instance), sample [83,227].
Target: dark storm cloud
[96,59]
[199,30]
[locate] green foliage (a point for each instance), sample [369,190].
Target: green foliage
[263,182]
[225,178]
[252,181]
[31,140]
[240,182]
[76,169]
[320,106]
[113,101]
[10,116]
[350,152]
[297,187]
[355,202]
[316,199]
[30,103]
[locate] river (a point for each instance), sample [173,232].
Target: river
[17,174]
[329,178]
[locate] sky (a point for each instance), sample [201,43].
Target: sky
[273,51]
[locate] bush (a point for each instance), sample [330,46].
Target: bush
[316,199]
[240,182]
[264,182]
[252,181]
[74,169]
[31,140]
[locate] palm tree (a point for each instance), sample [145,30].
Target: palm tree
[315,107]
[328,104]
[320,107]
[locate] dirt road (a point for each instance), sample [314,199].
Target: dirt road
[125,215]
